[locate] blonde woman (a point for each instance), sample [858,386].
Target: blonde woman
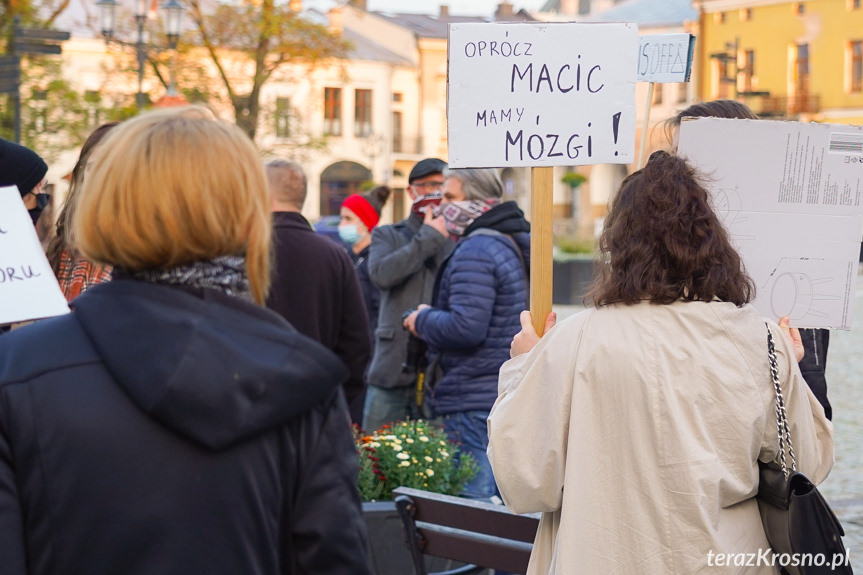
[176,426]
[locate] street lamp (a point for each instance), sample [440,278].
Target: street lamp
[173,10]
[173,17]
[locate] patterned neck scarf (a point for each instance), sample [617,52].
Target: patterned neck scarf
[459,215]
[226,274]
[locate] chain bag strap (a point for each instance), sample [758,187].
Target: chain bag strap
[781,417]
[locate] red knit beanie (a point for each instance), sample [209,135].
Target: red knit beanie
[363,209]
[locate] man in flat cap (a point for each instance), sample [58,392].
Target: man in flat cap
[22,167]
[404,259]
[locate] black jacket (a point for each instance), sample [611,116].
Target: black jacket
[315,288]
[371,293]
[157,430]
[814,364]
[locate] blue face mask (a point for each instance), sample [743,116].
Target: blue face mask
[349,234]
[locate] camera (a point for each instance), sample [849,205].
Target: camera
[415,358]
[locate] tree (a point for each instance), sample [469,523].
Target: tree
[54,116]
[266,36]
[38,13]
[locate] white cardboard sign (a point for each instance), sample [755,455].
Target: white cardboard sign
[791,196]
[547,94]
[28,288]
[665,57]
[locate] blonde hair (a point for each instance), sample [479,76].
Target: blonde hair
[172,187]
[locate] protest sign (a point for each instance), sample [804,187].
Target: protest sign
[541,94]
[791,196]
[662,58]
[665,58]
[28,289]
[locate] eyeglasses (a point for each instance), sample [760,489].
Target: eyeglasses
[429,185]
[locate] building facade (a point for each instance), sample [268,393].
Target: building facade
[797,60]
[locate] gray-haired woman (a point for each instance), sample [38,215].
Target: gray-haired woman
[480,292]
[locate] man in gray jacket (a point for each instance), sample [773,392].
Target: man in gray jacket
[403,262]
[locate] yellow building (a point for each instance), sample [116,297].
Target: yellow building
[798,60]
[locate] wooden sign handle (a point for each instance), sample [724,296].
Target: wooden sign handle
[645,126]
[541,242]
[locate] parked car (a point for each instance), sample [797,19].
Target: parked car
[329,226]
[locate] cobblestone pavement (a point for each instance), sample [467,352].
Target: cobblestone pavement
[844,487]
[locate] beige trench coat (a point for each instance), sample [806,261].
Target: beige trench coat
[636,430]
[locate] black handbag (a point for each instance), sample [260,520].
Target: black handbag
[803,531]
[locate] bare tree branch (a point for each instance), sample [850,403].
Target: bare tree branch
[198,18]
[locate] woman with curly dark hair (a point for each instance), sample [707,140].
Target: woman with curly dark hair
[636,426]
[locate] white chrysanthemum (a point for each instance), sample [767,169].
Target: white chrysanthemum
[429,472]
[403,456]
[396,447]
[429,459]
[404,464]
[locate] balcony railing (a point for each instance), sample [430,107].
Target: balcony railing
[787,106]
[407,144]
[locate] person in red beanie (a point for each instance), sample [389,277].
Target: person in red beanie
[360,214]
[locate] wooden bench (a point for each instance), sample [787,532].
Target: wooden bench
[478,533]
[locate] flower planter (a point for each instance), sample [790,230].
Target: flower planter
[571,279]
[390,555]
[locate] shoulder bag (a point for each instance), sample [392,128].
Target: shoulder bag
[803,531]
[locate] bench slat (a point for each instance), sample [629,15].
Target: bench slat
[471,515]
[475,548]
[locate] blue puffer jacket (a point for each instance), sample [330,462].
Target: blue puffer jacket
[480,292]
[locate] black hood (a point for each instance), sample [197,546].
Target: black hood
[506,218]
[211,367]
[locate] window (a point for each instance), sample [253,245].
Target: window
[397,97]
[39,99]
[682,92]
[93,98]
[283,115]
[362,113]
[719,18]
[745,14]
[657,94]
[854,54]
[801,70]
[397,132]
[746,70]
[720,75]
[332,111]
[799,8]
[853,4]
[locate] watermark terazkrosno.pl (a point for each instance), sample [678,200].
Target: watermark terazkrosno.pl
[767,557]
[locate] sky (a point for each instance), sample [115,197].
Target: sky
[456,7]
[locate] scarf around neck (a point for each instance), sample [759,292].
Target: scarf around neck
[460,215]
[226,274]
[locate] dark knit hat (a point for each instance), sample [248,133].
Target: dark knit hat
[20,166]
[425,168]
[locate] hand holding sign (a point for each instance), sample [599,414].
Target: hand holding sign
[28,289]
